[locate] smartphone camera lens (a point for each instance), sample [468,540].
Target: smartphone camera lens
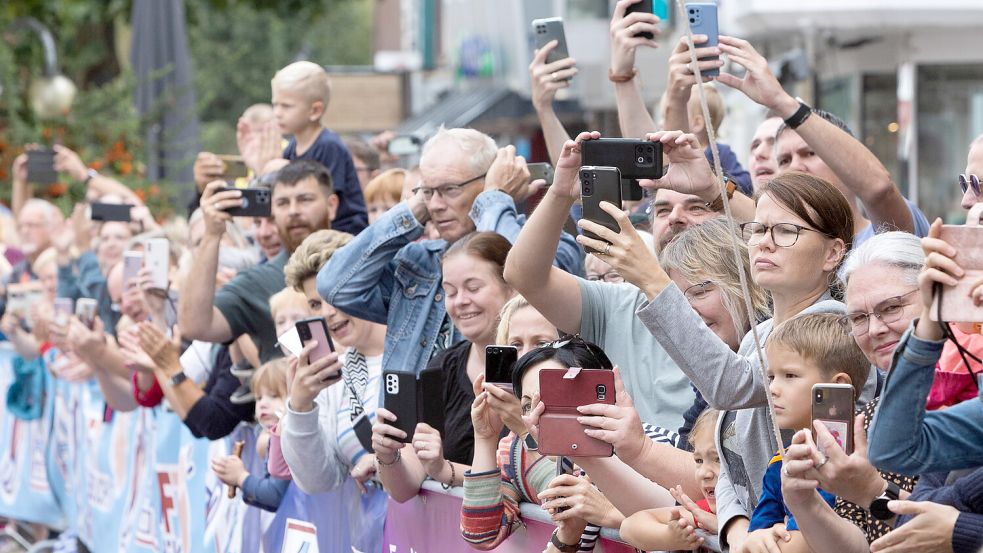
[692,20]
[819,396]
[641,159]
[602,392]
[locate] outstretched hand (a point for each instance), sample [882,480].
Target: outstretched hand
[566,178]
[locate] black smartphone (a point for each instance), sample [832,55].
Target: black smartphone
[636,159]
[547,30]
[41,166]
[400,399]
[315,328]
[430,398]
[645,6]
[499,361]
[540,171]
[600,184]
[110,212]
[256,202]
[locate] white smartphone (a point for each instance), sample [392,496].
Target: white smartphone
[132,263]
[290,342]
[85,310]
[157,259]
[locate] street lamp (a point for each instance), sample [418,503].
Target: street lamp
[51,96]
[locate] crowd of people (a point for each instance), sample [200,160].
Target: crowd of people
[716,328]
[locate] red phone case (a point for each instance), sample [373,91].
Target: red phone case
[559,431]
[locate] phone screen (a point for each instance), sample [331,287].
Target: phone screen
[499,361]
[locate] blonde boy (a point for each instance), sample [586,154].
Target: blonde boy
[301,93]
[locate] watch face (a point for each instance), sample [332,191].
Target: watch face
[879,510]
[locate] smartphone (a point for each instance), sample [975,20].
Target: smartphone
[833,404]
[645,6]
[315,328]
[559,431]
[564,465]
[956,304]
[430,398]
[499,361]
[290,341]
[158,259]
[64,307]
[547,30]
[636,159]
[400,399]
[234,167]
[600,184]
[132,263]
[703,21]
[255,202]
[540,171]
[21,297]
[85,310]
[110,212]
[404,145]
[41,166]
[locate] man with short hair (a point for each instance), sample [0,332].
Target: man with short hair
[37,221]
[366,160]
[385,277]
[761,158]
[303,201]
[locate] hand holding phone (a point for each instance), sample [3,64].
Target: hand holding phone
[562,392]
[540,171]
[499,361]
[833,405]
[157,258]
[41,166]
[85,310]
[702,19]
[315,329]
[548,30]
[600,184]
[256,202]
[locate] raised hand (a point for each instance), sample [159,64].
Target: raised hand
[547,78]
[309,378]
[566,178]
[486,420]
[759,83]
[703,519]
[623,40]
[509,174]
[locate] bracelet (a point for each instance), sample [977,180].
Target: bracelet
[89,175]
[615,78]
[399,454]
[453,475]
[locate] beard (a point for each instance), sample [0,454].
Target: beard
[291,242]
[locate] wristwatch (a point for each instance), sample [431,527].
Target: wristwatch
[799,116]
[177,379]
[563,547]
[718,204]
[878,507]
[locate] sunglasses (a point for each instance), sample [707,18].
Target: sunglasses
[967,181]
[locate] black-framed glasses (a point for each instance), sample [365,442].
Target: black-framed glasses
[610,276]
[784,235]
[699,292]
[888,311]
[967,181]
[447,191]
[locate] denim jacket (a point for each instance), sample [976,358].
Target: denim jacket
[385,277]
[903,436]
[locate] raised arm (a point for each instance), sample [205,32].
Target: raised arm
[20,189]
[855,165]
[633,116]
[552,291]
[197,315]
[67,161]
[681,78]
[546,79]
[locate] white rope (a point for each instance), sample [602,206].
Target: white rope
[735,247]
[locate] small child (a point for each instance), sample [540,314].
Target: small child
[803,351]
[301,92]
[269,385]
[692,526]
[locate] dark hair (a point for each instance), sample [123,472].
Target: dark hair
[840,124]
[363,151]
[486,245]
[300,169]
[569,351]
[815,201]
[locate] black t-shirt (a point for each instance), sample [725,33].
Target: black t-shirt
[458,435]
[245,303]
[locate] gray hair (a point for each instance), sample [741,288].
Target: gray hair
[479,148]
[900,250]
[51,212]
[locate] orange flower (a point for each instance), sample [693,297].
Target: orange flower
[125,167]
[141,194]
[57,189]
[97,164]
[154,190]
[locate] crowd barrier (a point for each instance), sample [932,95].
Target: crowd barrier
[139,482]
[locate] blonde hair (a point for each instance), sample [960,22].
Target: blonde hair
[715,104]
[47,257]
[703,252]
[285,297]
[706,422]
[308,78]
[505,317]
[311,255]
[386,187]
[271,377]
[820,338]
[477,148]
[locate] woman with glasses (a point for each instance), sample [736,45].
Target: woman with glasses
[802,230]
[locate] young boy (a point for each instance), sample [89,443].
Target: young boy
[301,92]
[802,351]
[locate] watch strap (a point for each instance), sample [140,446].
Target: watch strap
[177,379]
[563,547]
[718,203]
[799,116]
[615,78]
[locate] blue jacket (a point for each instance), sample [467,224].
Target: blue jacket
[385,277]
[903,436]
[771,509]
[965,493]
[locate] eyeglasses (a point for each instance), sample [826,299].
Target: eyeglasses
[966,181]
[446,191]
[888,311]
[784,235]
[610,276]
[699,292]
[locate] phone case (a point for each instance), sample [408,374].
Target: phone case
[833,404]
[157,259]
[132,263]
[256,202]
[400,391]
[542,171]
[957,307]
[85,310]
[636,159]
[703,21]
[430,398]
[41,167]
[645,6]
[235,167]
[559,431]
[600,184]
[315,328]
[549,29]
[110,212]
[499,361]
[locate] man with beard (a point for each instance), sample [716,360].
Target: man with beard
[303,201]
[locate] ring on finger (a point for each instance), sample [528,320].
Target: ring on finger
[785,470]
[553,75]
[607,249]
[823,462]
